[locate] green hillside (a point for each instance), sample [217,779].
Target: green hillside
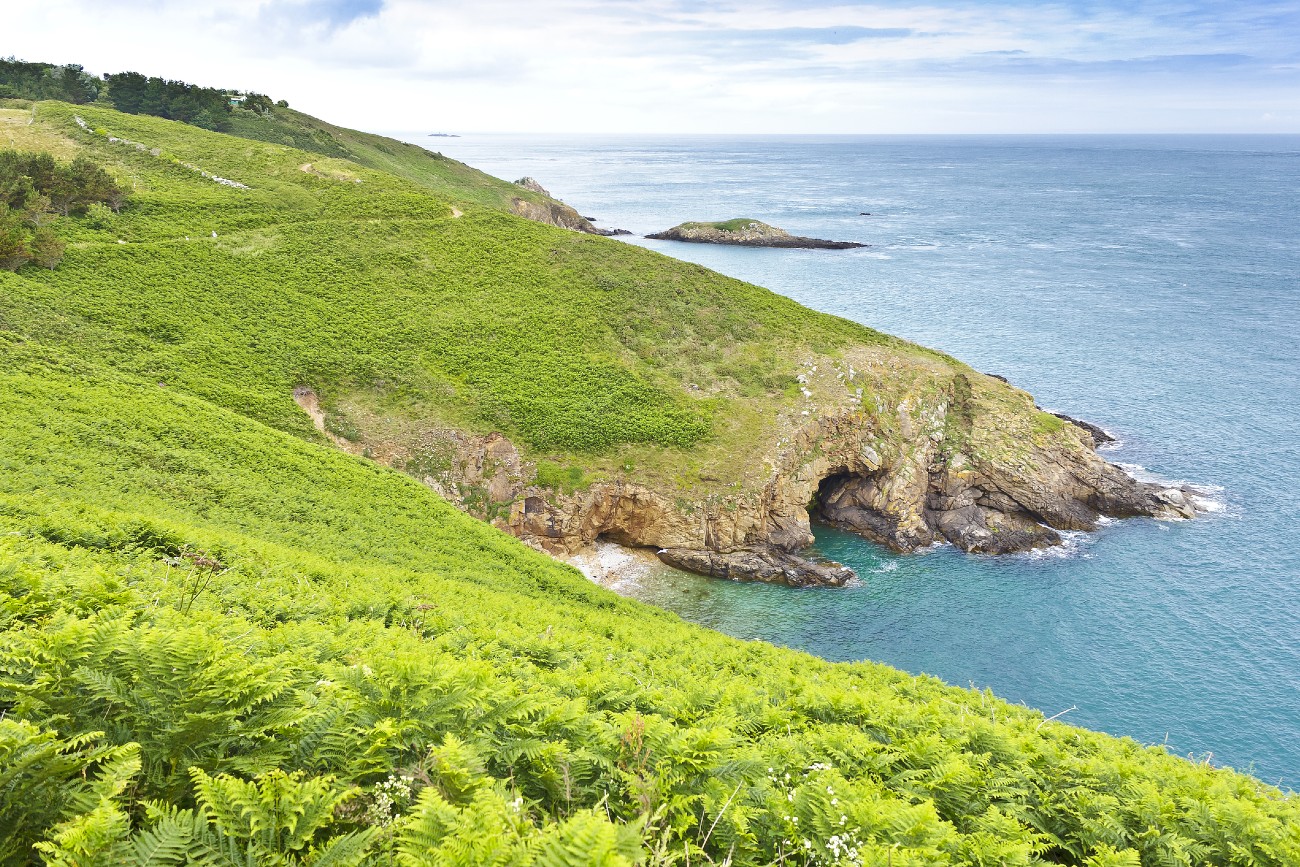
[224,641]
[453,180]
[367,288]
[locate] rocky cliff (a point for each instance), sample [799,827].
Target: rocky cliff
[552,211]
[905,456]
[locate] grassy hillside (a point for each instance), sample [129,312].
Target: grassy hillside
[223,641]
[367,288]
[447,177]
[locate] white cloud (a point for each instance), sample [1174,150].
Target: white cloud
[757,66]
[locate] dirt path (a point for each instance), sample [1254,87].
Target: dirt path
[308,400]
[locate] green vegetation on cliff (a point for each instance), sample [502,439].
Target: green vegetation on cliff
[356,282]
[225,642]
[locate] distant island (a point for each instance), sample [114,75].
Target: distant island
[746,232]
[443,135]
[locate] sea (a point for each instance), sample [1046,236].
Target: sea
[1148,284]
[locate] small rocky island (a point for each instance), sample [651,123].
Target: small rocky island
[744,232]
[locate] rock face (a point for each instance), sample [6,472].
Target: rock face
[943,457]
[746,233]
[771,565]
[554,212]
[990,508]
[905,498]
[529,183]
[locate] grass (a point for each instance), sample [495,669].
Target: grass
[450,178]
[361,630]
[734,225]
[224,641]
[363,286]
[17,133]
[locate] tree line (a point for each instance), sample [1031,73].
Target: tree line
[133,93]
[69,83]
[130,92]
[36,189]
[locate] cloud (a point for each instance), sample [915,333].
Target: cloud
[797,35]
[314,14]
[729,65]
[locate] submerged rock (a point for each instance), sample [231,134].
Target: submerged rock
[744,232]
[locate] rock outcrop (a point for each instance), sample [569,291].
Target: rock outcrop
[771,565]
[746,233]
[904,494]
[911,458]
[554,212]
[1099,436]
[532,185]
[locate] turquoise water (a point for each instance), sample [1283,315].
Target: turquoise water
[1148,284]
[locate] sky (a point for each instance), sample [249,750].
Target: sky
[726,66]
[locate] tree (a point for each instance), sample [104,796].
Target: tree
[14,236]
[69,83]
[45,249]
[92,184]
[77,86]
[258,102]
[34,190]
[126,91]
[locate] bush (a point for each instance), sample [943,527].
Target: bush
[99,216]
[566,479]
[34,190]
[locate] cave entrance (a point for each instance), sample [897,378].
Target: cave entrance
[827,489]
[849,501]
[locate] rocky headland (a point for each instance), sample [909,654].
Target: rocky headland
[744,232]
[905,456]
[554,212]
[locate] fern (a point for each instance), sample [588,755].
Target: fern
[46,780]
[278,814]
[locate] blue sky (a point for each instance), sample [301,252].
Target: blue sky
[757,66]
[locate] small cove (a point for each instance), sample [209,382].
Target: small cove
[1148,284]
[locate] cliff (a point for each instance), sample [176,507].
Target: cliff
[562,387]
[904,455]
[552,211]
